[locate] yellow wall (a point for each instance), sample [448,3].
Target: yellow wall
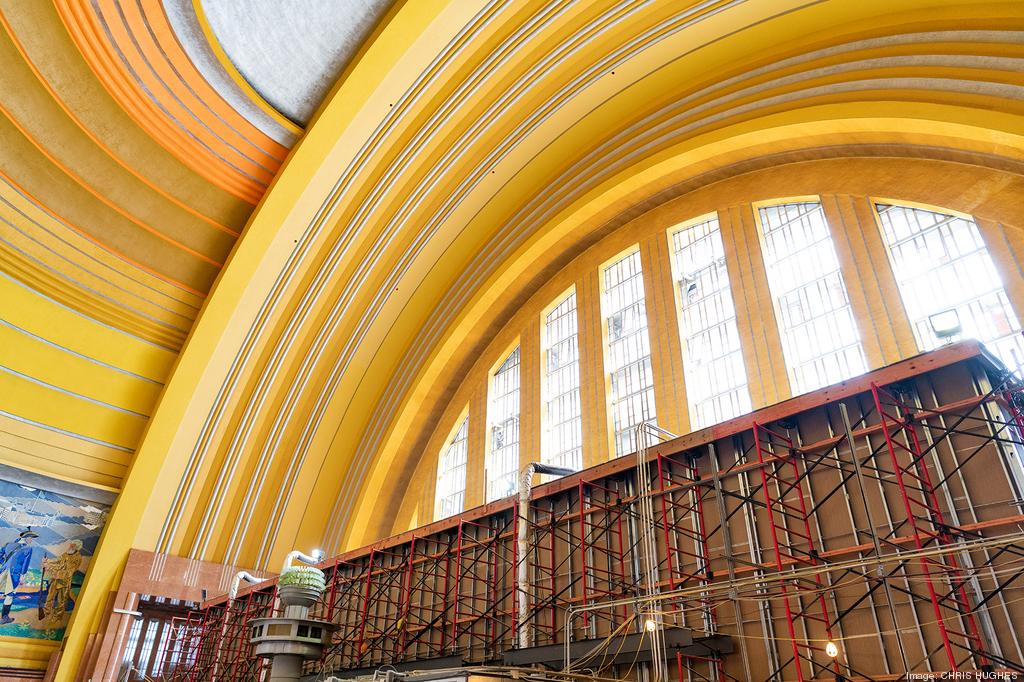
[430,212]
[110,238]
[883,324]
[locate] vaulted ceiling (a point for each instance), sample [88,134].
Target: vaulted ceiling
[300,340]
[133,153]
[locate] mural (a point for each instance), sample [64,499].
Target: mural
[46,542]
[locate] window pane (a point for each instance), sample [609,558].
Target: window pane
[502,462]
[629,351]
[820,339]
[562,443]
[716,380]
[943,266]
[450,492]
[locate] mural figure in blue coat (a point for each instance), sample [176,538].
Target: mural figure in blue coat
[14,563]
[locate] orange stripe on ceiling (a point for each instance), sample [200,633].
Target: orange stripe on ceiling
[50,241]
[84,32]
[99,195]
[176,57]
[100,57]
[25,249]
[49,89]
[129,27]
[85,235]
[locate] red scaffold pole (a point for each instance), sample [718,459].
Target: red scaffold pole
[892,424]
[779,510]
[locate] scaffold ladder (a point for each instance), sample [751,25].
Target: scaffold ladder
[789,526]
[928,526]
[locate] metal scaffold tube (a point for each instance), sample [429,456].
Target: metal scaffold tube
[870,530]
[524,620]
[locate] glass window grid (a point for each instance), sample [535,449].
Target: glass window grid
[820,339]
[502,463]
[164,657]
[450,491]
[562,442]
[941,262]
[716,379]
[132,645]
[629,351]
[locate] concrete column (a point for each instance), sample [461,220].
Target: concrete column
[285,668]
[593,377]
[755,308]
[663,326]
[477,440]
[530,408]
[874,294]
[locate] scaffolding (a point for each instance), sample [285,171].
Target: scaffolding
[682,495]
[883,515]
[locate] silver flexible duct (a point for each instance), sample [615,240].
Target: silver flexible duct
[522,565]
[311,560]
[237,580]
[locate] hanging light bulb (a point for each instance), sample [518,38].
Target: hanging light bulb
[650,625]
[831,649]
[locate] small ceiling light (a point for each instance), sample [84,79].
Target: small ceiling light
[650,625]
[945,325]
[831,649]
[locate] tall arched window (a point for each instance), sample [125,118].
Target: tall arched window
[716,380]
[562,439]
[629,350]
[819,334]
[949,284]
[450,491]
[502,461]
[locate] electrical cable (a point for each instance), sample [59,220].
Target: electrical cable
[636,656]
[586,658]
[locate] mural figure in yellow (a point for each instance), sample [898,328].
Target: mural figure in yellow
[59,572]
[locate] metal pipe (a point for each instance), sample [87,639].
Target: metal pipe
[653,623]
[859,473]
[845,476]
[311,560]
[237,580]
[755,552]
[126,612]
[890,524]
[730,559]
[758,582]
[984,617]
[522,565]
[232,593]
[1010,465]
[899,557]
[645,507]
[819,532]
